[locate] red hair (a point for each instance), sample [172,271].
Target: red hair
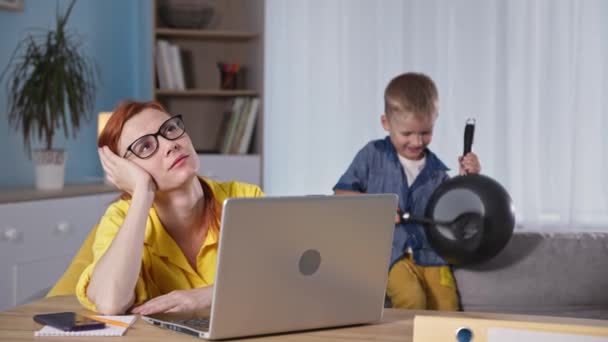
[125,110]
[111,134]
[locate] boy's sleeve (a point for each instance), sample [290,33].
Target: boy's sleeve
[356,176]
[106,231]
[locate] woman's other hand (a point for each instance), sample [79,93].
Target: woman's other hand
[195,301]
[123,173]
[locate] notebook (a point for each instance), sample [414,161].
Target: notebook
[109,330]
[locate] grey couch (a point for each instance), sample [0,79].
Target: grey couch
[555,274]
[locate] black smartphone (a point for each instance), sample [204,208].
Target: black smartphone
[69,321]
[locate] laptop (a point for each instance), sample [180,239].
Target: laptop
[289,264]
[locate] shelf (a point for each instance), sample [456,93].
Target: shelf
[12,195]
[235,36]
[205,92]
[205,34]
[209,154]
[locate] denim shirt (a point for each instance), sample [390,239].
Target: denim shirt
[376,169]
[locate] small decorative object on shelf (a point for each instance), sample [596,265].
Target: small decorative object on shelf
[187,14]
[228,75]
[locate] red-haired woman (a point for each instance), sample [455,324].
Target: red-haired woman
[156,248]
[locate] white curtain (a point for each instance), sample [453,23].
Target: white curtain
[533,73]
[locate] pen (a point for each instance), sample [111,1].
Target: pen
[109,321]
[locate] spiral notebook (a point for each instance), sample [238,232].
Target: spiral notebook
[109,330]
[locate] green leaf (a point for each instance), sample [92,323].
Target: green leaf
[51,84]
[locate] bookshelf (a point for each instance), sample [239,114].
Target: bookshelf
[205,92]
[235,35]
[205,34]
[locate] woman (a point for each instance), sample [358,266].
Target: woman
[155,248]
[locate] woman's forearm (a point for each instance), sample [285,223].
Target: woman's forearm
[112,286]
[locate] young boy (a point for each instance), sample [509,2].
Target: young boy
[402,164]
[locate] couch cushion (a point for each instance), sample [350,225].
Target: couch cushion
[557,274]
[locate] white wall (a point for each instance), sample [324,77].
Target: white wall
[532,72]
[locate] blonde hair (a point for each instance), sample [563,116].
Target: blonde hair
[411,92]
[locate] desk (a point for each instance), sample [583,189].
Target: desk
[397,325]
[17,325]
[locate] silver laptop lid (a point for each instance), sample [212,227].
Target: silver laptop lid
[297,263]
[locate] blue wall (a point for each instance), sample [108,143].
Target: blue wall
[117,34]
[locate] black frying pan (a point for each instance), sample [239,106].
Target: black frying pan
[469,219]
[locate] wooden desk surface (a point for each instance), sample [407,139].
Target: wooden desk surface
[17,325]
[397,325]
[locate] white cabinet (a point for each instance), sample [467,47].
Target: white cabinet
[38,240]
[225,167]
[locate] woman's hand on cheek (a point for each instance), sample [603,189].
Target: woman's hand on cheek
[195,301]
[123,173]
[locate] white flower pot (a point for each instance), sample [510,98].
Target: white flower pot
[50,169]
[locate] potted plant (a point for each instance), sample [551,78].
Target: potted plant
[51,86]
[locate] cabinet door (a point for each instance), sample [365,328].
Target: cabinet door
[38,240]
[222,167]
[33,278]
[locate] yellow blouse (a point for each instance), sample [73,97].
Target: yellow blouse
[164,266]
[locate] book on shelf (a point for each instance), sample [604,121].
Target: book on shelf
[169,66]
[238,127]
[160,62]
[176,67]
[249,125]
[225,124]
[237,105]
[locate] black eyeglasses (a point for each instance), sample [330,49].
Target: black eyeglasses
[144,147]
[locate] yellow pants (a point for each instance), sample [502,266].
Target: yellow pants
[411,286]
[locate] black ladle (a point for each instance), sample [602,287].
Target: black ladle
[464,226]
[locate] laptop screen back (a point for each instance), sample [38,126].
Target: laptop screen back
[297,263]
